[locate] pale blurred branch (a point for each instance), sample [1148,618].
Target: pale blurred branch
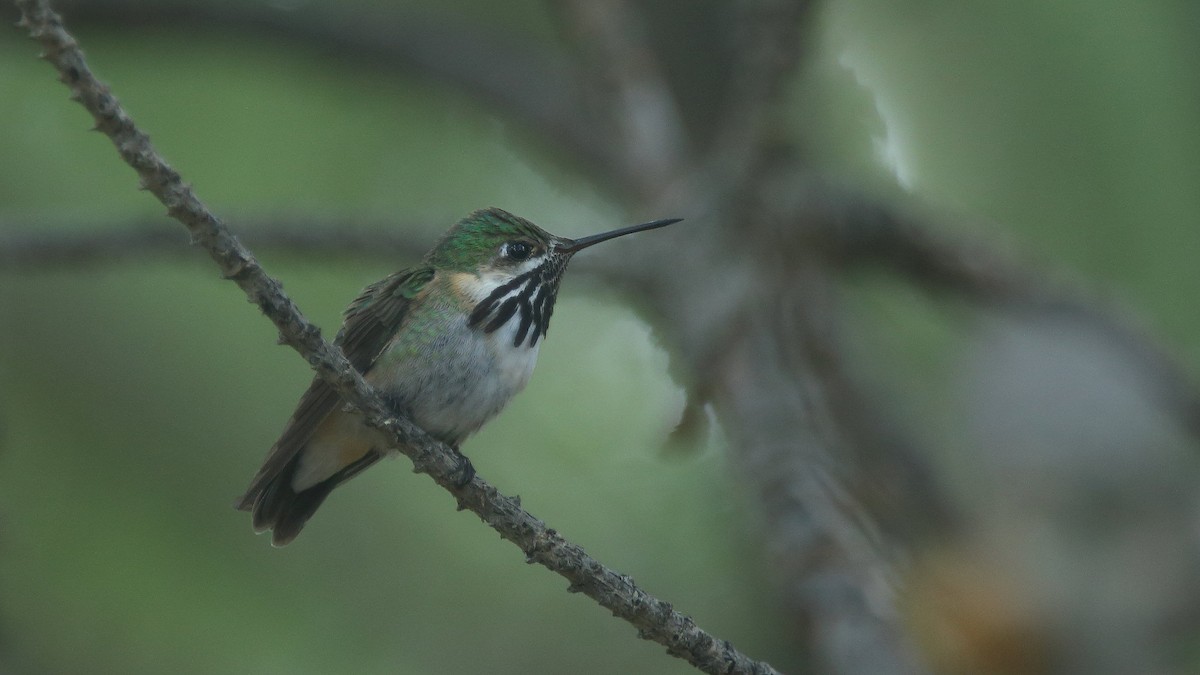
[29,247]
[656,620]
[853,230]
[769,37]
[625,81]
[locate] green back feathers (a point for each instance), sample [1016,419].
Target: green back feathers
[474,239]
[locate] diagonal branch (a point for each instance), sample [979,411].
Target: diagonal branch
[656,620]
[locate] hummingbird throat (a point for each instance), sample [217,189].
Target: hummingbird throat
[527,298]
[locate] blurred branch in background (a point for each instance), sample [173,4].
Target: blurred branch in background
[516,76]
[769,40]
[1077,522]
[854,231]
[30,247]
[626,83]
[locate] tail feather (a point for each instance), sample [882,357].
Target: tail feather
[284,511]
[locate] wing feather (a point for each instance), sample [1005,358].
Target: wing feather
[369,322]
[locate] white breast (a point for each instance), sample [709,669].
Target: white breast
[463,377]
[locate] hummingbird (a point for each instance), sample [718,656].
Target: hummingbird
[447,343]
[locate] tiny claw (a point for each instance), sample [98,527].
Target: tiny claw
[464,473]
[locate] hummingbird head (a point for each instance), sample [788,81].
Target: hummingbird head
[514,268]
[495,242]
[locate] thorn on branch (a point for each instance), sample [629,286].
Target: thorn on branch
[239,272]
[107,107]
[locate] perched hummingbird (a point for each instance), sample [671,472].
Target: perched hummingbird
[447,343]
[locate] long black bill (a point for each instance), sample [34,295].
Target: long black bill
[577,245]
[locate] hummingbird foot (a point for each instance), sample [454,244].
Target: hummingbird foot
[465,471]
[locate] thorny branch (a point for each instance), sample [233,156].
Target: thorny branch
[656,620]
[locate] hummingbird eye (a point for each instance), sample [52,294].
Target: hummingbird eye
[516,250]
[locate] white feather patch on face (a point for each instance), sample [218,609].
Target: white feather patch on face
[475,287]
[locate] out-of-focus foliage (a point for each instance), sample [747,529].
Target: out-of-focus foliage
[137,401]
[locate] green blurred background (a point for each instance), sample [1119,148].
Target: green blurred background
[137,400]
